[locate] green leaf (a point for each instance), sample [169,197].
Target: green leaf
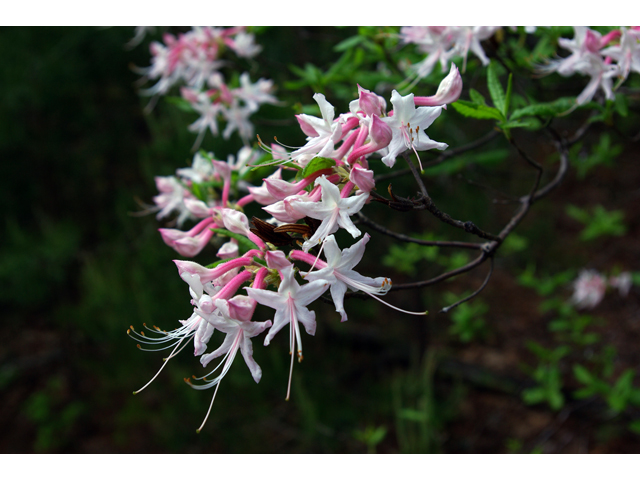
[582,374]
[182,103]
[244,244]
[533,395]
[477,97]
[318,163]
[412,415]
[349,43]
[622,105]
[495,87]
[507,100]
[530,123]
[635,426]
[578,213]
[550,109]
[469,109]
[621,391]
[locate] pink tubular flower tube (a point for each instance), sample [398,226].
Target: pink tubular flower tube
[448,92]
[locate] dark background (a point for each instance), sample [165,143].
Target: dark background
[77,269]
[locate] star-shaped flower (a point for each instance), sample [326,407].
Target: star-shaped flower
[340,275]
[333,210]
[290,303]
[408,124]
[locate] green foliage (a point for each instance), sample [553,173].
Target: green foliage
[617,396]
[544,286]
[181,103]
[548,376]
[467,319]
[549,109]
[514,243]
[371,436]
[419,416]
[599,222]
[572,329]
[495,89]
[406,257]
[477,110]
[603,153]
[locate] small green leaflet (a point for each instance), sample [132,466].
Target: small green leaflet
[318,163]
[473,110]
[550,109]
[476,97]
[182,103]
[495,88]
[507,100]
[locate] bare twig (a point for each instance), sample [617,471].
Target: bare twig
[452,273]
[405,238]
[466,299]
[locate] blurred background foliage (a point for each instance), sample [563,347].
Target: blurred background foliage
[515,370]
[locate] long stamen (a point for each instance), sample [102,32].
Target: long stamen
[292,343]
[163,365]
[316,260]
[209,411]
[395,308]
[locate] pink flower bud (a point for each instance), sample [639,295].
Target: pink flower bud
[362,177]
[370,103]
[235,221]
[223,169]
[191,246]
[380,132]
[448,92]
[592,41]
[242,307]
[197,208]
[229,249]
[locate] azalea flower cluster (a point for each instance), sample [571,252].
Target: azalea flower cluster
[193,59]
[333,182]
[590,286]
[442,44]
[601,57]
